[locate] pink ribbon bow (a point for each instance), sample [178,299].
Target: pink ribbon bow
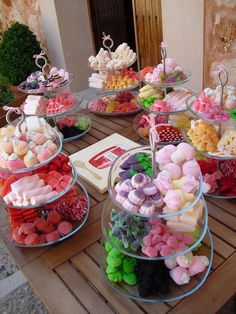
[153,129]
[164,45]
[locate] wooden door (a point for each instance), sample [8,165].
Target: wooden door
[148,31]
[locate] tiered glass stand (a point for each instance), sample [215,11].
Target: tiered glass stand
[221,127]
[201,245]
[19,173]
[105,92]
[53,118]
[163,87]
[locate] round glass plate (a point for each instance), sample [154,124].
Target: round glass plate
[162,85]
[190,102]
[106,220]
[176,292]
[57,141]
[37,91]
[114,178]
[104,113]
[56,114]
[76,137]
[218,156]
[119,89]
[160,113]
[220,196]
[110,70]
[77,225]
[147,138]
[74,178]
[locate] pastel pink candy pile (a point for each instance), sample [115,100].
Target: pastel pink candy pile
[160,241]
[143,123]
[65,102]
[185,266]
[160,106]
[210,109]
[66,121]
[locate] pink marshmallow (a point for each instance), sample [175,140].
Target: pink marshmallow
[185,260]
[170,263]
[180,275]
[198,265]
[174,170]
[191,168]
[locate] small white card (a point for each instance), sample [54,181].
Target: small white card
[94,162]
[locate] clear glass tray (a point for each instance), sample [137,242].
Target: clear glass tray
[104,113]
[190,103]
[77,225]
[58,142]
[112,70]
[57,114]
[76,137]
[204,153]
[176,292]
[106,215]
[113,178]
[74,178]
[160,113]
[162,85]
[147,138]
[37,91]
[118,90]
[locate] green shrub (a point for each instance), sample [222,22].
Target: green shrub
[6,94]
[17,47]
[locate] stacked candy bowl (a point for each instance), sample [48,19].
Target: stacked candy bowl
[178,180]
[156,280]
[73,126]
[114,104]
[159,98]
[155,224]
[40,203]
[213,135]
[113,69]
[44,81]
[49,224]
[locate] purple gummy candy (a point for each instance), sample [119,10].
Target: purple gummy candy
[125,175]
[131,160]
[147,204]
[136,167]
[125,166]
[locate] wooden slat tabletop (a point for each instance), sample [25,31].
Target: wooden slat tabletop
[67,276]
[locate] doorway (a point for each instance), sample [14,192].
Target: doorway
[136,22]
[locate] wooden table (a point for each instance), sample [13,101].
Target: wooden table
[67,276]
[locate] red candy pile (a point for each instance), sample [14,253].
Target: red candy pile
[65,102]
[169,134]
[42,230]
[71,206]
[59,164]
[18,216]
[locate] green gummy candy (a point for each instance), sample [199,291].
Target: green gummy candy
[114,252]
[113,261]
[111,270]
[118,243]
[108,246]
[133,172]
[128,265]
[115,277]
[139,157]
[149,172]
[130,279]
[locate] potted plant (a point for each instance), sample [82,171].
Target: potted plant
[17,48]
[6,95]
